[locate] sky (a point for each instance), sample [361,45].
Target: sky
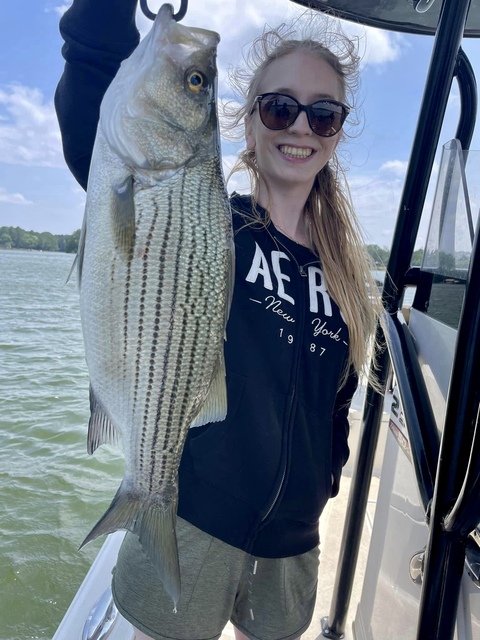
[37,191]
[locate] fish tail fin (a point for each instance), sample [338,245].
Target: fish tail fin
[156,532]
[123,513]
[154,523]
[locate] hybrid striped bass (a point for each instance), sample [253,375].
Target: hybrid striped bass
[155,273]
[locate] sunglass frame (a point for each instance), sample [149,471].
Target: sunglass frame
[302,107]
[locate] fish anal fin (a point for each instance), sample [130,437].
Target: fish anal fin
[214,408]
[101,429]
[123,217]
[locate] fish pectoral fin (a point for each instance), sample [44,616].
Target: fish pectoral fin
[154,523]
[230,280]
[101,429]
[123,217]
[215,407]
[78,262]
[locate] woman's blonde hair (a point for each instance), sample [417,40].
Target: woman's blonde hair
[335,235]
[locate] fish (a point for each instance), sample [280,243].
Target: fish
[155,270]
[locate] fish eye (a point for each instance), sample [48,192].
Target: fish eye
[196,81]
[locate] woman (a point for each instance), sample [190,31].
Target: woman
[252,488]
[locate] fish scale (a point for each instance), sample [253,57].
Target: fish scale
[156,270]
[186,319]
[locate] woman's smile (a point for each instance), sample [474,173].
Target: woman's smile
[295,152]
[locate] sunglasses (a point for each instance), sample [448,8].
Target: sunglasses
[279,111]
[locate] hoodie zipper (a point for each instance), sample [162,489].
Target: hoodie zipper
[299,343]
[274,501]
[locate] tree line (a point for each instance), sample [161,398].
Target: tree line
[17,238]
[381,255]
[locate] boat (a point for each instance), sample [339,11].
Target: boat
[409,559]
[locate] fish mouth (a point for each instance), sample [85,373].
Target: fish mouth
[181,34]
[295,152]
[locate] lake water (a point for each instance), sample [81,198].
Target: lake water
[51,491]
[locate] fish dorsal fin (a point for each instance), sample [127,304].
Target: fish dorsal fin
[215,407]
[101,429]
[123,217]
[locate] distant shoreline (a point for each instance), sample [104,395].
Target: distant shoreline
[69,253]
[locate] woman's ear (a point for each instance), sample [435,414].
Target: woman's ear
[249,137]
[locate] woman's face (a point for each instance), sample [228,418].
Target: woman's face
[295,155]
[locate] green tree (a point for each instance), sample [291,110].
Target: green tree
[17,238]
[5,239]
[28,240]
[417,258]
[71,245]
[47,242]
[379,255]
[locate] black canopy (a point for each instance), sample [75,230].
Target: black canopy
[408,16]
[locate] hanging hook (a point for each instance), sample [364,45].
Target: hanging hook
[146,10]
[182,11]
[177,16]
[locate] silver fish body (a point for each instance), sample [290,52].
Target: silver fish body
[155,270]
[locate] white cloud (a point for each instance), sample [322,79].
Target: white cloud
[398,167]
[239,181]
[454,101]
[29,133]
[13,198]
[377,196]
[383,47]
[376,199]
[58,9]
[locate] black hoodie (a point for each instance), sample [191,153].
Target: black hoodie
[260,479]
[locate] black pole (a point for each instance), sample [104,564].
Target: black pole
[334,625]
[467,86]
[421,426]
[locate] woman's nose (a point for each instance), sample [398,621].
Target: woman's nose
[301,124]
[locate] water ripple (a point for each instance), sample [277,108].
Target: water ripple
[52,492]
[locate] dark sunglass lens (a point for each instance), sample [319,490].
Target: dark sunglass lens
[277,111]
[327,119]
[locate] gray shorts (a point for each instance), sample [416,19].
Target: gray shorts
[267,599]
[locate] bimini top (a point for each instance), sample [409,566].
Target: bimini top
[408,16]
